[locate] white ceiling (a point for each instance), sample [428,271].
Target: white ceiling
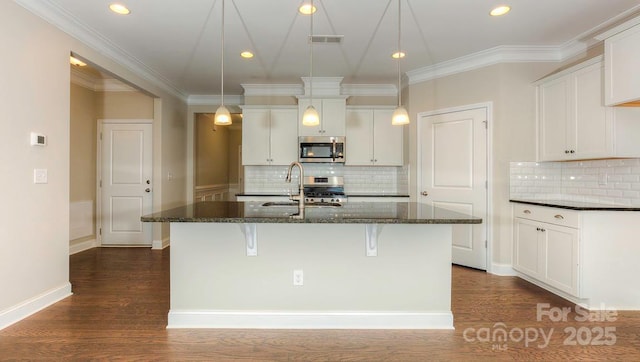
[177,43]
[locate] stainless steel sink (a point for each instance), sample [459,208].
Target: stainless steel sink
[324,204]
[290,204]
[280,203]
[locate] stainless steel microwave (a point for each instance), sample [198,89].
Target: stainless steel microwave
[321,149]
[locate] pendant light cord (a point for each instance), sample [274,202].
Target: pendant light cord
[222,59]
[399,53]
[311,57]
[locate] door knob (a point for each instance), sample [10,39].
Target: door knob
[148,182]
[147,190]
[424,193]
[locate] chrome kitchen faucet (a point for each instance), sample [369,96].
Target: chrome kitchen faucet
[300,196]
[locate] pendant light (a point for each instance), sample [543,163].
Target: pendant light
[222,117]
[400,116]
[310,116]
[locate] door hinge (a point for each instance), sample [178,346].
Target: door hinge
[486,124]
[100,183]
[100,231]
[486,243]
[486,184]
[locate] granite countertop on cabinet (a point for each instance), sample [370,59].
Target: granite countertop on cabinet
[577,205]
[377,195]
[348,213]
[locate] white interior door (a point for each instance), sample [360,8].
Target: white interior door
[126,192]
[452,150]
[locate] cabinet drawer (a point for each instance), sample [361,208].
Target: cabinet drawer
[551,215]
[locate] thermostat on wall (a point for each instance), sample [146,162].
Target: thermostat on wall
[38,139]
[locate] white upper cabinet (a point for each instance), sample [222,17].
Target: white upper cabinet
[332,117]
[372,139]
[622,57]
[574,123]
[269,136]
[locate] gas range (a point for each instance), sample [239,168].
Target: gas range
[324,189]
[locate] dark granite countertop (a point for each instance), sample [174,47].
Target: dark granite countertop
[349,213]
[258,194]
[377,195]
[577,205]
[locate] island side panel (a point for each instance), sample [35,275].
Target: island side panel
[211,273]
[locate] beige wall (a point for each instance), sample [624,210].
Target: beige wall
[212,152]
[235,141]
[35,97]
[509,88]
[216,154]
[82,153]
[124,105]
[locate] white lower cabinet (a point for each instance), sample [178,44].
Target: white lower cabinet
[545,251]
[585,256]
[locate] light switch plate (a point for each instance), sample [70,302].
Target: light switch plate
[38,139]
[40,176]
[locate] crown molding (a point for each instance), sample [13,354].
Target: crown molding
[272,89]
[214,100]
[83,79]
[322,86]
[98,84]
[370,90]
[64,21]
[620,28]
[296,90]
[501,54]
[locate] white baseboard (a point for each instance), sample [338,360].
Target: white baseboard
[309,320]
[505,270]
[23,310]
[85,245]
[160,244]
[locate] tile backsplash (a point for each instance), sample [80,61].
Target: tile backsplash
[378,180]
[612,182]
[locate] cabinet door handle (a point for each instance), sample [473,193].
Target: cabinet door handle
[572,151]
[559,217]
[527,211]
[566,151]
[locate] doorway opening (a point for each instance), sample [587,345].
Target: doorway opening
[94,94]
[218,174]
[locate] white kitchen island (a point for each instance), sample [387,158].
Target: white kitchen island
[363,265]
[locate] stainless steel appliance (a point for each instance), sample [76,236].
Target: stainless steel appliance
[323,190]
[322,149]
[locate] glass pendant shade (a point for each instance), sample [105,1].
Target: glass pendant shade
[223,117]
[310,117]
[400,116]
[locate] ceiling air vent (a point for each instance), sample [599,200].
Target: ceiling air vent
[327,39]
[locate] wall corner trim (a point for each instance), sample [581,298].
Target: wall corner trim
[505,270]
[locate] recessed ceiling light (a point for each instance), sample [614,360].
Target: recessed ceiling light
[76,61]
[246,54]
[307,9]
[500,10]
[119,9]
[398,55]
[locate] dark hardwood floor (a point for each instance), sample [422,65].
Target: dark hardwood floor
[121,299]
